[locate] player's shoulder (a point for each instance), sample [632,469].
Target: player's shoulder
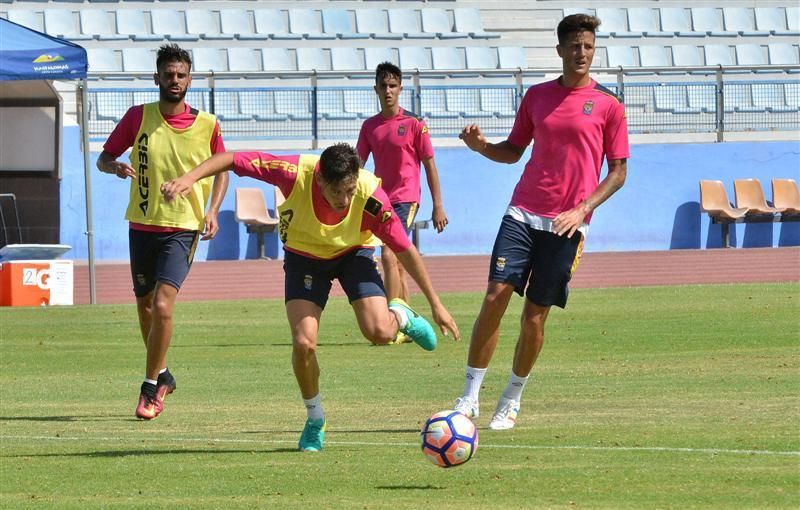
[412,116]
[606,92]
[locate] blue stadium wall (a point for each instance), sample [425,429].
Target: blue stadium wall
[658,209]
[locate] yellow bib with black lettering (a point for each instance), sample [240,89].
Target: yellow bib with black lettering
[162,153]
[302,231]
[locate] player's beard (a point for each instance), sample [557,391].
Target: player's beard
[169,97]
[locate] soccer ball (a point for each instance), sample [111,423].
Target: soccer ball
[449,439]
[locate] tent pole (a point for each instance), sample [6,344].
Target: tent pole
[84,99]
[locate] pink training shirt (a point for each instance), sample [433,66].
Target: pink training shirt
[124,136]
[390,232]
[398,145]
[573,129]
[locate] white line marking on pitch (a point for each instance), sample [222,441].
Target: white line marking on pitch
[665,449]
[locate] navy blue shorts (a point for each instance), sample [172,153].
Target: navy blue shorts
[160,257]
[541,260]
[406,211]
[311,279]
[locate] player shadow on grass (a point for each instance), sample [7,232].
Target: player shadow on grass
[337,431]
[409,487]
[88,417]
[281,344]
[139,453]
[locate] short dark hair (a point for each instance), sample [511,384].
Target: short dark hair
[576,23]
[339,163]
[172,53]
[388,69]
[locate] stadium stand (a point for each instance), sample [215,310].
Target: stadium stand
[243,60]
[677,20]
[336,22]
[480,57]
[468,20]
[204,23]
[436,21]
[278,59]
[27,18]
[405,22]
[375,23]
[272,23]
[708,20]
[714,201]
[645,21]
[346,58]
[737,19]
[415,57]
[786,195]
[615,23]
[132,24]
[376,55]
[313,59]
[750,195]
[251,210]
[304,22]
[208,59]
[63,24]
[236,22]
[172,23]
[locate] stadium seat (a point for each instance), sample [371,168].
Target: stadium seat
[792,90]
[434,104]
[645,21]
[708,21]
[437,22]
[568,11]
[738,97]
[468,20]
[203,23]
[714,201]
[330,105]
[133,24]
[718,54]
[208,59]
[446,57]
[27,18]
[374,23]
[377,55]
[783,54]
[251,210]
[226,106]
[499,101]
[346,58]
[336,22]
[685,55]
[786,195]
[614,22]
[171,23]
[702,97]
[295,103]
[362,102]
[112,105]
[63,24]
[771,97]
[236,22]
[677,21]
[97,24]
[511,57]
[138,59]
[672,99]
[655,56]
[751,55]
[737,19]
[260,104]
[793,21]
[103,60]
[312,59]
[620,56]
[272,23]
[750,195]
[481,57]
[414,57]
[304,22]
[243,60]
[465,101]
[405,22]
[277,59]
[771,19]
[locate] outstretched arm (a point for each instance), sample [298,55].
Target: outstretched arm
[568,221]
[182,186]
[413,264]
[503,152]
[432,174]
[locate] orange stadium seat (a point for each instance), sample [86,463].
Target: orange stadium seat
[251,209]
[786,195]
[714,201]
[750,195]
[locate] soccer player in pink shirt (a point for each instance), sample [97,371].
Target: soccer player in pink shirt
[398,141]
[575,123]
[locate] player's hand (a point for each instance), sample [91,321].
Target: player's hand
[121,169]
[568,221]
[210,226]
[439,218]
[181,186]
[473,138]
[446,323]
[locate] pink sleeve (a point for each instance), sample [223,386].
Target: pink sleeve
[423,144]
[363,146]
[616,134]
[124,135]
[386,225]
[217,145]
[280,171]
[522,132]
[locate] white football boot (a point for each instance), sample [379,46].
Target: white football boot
[505,416]
[467,406]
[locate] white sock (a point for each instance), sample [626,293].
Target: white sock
[151,381]
[314,407]
[402,318]
[162,370]
[515,386]
[474,380]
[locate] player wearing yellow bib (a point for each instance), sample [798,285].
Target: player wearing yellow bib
[334,215]
[168,139]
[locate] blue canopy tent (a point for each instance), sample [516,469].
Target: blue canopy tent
[30,56]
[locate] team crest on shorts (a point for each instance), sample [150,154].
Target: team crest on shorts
[588,106]
[308,280]
[142,279]
[500,264]
[401,130]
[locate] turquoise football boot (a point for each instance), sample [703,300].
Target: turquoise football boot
[313,435]
[417,327]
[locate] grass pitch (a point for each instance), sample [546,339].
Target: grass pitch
[663,397]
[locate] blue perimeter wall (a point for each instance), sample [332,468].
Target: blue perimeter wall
[657,209]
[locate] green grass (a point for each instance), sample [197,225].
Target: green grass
[664,397]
